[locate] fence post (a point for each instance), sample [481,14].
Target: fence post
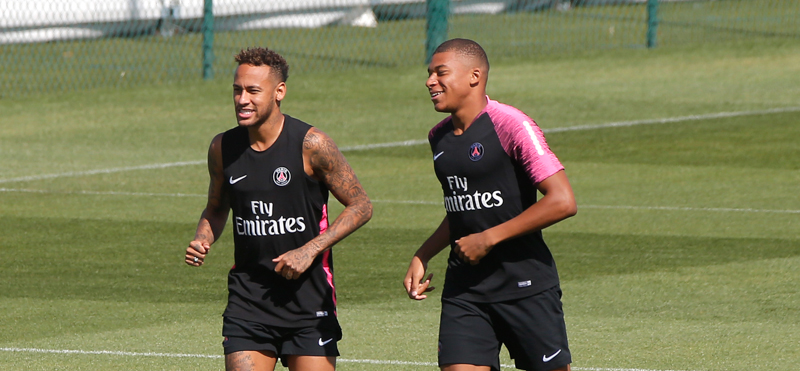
[652,22]
[208,40]
[436,34]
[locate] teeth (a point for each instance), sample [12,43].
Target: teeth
[435,94]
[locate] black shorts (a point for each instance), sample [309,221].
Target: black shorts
[532,328]
[319,340]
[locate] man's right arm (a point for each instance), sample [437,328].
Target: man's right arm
[215,215]
[416,286]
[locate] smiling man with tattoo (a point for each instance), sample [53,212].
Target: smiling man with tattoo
[274,172]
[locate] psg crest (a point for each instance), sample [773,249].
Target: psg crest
[476,151]
[281,176]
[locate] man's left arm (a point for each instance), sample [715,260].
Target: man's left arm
[557,204]
[325,162]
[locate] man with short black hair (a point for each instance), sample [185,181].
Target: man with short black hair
[501,286]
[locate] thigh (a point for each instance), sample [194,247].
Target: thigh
[312,363]
[466,337]
[250,360]
[534,331]
[463,367]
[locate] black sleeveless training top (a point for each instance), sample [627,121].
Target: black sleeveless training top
[276,207]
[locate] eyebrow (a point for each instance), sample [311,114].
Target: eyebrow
[437,67]
[235,85]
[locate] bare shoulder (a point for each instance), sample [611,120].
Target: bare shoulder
[216,143]
[215,152]
[316,140]
[321,152]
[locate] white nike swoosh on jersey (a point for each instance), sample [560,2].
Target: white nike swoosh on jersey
[234,181]
[437,155]
[322,343]
[546,358]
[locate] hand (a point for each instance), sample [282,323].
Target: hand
[415,286]
[196,253]
[293,263]
[473,248]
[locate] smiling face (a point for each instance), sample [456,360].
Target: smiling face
[256,94]
[452,80]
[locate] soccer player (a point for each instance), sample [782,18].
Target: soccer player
[501,285]
[274,172]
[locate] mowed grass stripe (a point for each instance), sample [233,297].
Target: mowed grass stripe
[415,142]
[409,202]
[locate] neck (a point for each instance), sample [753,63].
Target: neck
[264,135]
[466,114]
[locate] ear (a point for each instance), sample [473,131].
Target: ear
[280,91]
[475,77]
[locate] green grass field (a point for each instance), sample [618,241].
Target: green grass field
[685,254]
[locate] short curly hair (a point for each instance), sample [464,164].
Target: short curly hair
[259,56]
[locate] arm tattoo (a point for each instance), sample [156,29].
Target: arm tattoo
[332,169]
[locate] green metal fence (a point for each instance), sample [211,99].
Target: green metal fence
[68,45]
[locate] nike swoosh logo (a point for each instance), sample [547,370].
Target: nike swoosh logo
[546,358]
[234,181]
[322,343]
[437,155]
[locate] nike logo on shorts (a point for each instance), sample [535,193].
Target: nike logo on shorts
[322,343]
[234,181]
[545,358]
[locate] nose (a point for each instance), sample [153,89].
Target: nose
[431,81]
[242,98]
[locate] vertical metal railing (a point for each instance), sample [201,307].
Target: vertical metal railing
[652,23]
[436,30]
[208,39]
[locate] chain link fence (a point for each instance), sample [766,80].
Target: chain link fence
[67,45]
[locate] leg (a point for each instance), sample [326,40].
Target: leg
[467,340]
[534,331]
[463,367]
[312,363]
[250,360]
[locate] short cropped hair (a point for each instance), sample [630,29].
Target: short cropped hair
[258,56]
[465,47]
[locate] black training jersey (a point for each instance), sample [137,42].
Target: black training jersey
[489,175]
[276,207]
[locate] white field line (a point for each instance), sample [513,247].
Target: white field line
[672,119]
[214,356]
[668,208]
[100,171]
[100,193]
[413,202]
[415,142]
[364,147]
[678,208]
